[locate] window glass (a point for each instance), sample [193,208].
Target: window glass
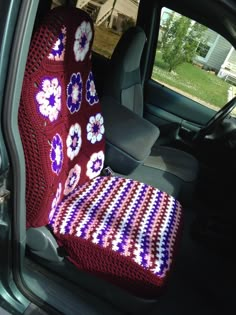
[202,50]
[194,60]
[111,19]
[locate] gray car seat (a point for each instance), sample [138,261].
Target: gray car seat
[123,88]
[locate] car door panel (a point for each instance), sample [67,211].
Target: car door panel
[164,107]
[159,116]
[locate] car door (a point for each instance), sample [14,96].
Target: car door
[11,298]
[175,114]
[182,99]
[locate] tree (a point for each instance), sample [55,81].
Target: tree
[180,40]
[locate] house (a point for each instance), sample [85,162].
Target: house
[114,13]
[228,68]
[212,48]
[212,51]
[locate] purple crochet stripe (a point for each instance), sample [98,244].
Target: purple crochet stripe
[70,219]
[144,242]
[167,238]
[96,207]
[64,200]
[128,225]
[146,237]
[52,221]
[79,202]
[117,205]
[58,209]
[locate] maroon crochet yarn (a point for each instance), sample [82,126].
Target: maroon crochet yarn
[37,131]
[119,229]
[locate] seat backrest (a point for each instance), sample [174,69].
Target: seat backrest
[60,119]
[123,81]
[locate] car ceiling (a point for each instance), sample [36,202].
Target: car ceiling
[219,15]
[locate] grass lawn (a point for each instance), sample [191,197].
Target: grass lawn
[189,78]
[203,86]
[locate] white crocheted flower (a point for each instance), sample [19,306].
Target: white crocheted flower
[83,36]
[95,164]
[72,179]
[74,141]
[95,128]
[74,92]
[55,202]
[49,98]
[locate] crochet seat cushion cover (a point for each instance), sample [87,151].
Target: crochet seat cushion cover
[119,229]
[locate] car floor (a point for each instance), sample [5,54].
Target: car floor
[203,280]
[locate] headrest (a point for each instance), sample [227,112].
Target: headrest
[129,49]
[65,35]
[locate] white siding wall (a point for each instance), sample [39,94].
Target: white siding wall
[218,54]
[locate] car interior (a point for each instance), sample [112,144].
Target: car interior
[123,88]
[124,189]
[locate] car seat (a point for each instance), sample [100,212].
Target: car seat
[121,230]
[123,88]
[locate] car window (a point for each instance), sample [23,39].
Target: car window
[111,19]
[194,60]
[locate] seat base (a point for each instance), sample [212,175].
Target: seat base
[174,161]
[125,232]
[160,179]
